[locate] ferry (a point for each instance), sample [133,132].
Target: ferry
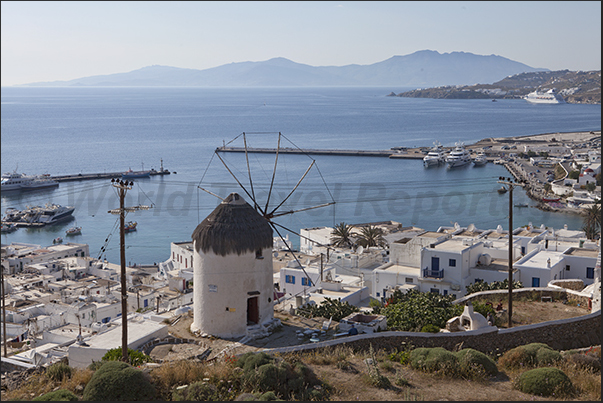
[458,157]
[20,181]
[549,97]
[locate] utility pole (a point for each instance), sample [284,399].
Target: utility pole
[3,311]
[510,185]
[122,188]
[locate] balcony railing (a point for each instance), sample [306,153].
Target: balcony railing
[433,273]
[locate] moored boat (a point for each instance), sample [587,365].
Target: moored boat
[480,159]
[458,157]
[20,181]
[435,156]
[502,190]
[130,226]
[8,227]
[129,174]
[74,231]
[38,216]
[57,240]
[551,199]
[548,97]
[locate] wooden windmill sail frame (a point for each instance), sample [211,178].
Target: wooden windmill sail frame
[266,212]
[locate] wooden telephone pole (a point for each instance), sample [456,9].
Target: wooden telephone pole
[510,185]
[122,188]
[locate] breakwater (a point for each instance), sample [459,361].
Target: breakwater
[311,151]
[103,175]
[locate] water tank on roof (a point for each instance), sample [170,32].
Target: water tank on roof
[485,259]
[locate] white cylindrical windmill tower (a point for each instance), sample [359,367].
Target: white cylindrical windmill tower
[233,279]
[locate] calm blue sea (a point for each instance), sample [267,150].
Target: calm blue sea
[85,130]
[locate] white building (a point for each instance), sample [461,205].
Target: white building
[233,277]
[311,239]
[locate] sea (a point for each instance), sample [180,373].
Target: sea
[61,131]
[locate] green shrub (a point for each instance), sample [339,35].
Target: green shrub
[253,360]
[198,391]
[58,371]
[473,363]
[61,395]
[429,328]
[118,381]
[545,382]
[135,358]
[547,357]
[529,355]
[268,396]
[436,359]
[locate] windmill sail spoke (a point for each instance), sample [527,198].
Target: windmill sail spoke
[300,235]
[248,169]
[290,193]
[240,184]
[272,224]
[302,209]
[213,194]
[278,147]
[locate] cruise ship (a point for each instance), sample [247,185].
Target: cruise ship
[435,156]
[458,157]
[549,97]
[19,181]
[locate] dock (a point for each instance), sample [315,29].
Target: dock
[313,151]
[104,175]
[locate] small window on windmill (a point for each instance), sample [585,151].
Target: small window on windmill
[258,254]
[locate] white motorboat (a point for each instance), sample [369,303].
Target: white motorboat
[39,216]
[458,157]
[548,97]
[480,159]
[435,156]
[19,181]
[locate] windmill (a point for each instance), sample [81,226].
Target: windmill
[265,198]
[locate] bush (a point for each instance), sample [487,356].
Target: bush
[529,355]
[584,361]
[198,391]
[263,373]
[436,359]
[61,395]
[58,371]
[473,363]
[118,381]
[430,329]
[545,382]
[135,358]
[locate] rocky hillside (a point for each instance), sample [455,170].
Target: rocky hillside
[578,87]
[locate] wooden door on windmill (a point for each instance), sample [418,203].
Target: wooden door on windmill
[253,311]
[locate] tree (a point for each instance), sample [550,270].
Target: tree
[371,236]
[341,236]
[592,221]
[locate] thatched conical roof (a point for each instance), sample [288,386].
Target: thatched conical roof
[233,227]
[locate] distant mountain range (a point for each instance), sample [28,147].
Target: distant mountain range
[425,68]
[577,87]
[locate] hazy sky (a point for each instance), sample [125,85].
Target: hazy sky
[55,40]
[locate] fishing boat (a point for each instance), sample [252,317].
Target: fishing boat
[521,205]
[8,227]
[74,231]
[502,190]
[57,240]
[550,199]
[130,226]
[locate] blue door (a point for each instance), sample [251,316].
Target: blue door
[435,264]
[535,281]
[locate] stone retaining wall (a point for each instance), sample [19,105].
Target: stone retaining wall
[148,347]
[565,334]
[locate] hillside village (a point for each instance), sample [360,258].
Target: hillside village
[61,303]
[578,87]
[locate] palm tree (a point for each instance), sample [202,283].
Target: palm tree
[341,236]
[592,221]
[371,236]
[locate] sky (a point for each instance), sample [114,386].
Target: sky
[65,40]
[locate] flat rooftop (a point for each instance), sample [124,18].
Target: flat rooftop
[594,253]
